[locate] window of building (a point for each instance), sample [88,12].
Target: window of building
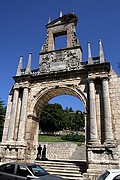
[60,42]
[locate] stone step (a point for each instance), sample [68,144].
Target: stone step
[69,170]
[78,165]
[76,169]
[65,162]
[62,166]
[52,170]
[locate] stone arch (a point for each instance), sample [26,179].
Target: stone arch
[40,99]
[63,72]
[45,95]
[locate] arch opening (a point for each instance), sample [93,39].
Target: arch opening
[44,96]
[50,96]
[68,101]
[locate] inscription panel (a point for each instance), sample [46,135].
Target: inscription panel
[57,66]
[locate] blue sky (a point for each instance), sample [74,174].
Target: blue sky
[22,30]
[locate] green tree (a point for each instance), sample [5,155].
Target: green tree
[2,117]
[52,118]
[67,112]
[119,66]
[75,120]
[71,110]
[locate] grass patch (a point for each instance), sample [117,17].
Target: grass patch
[52,138]
[74,137]
[46,138]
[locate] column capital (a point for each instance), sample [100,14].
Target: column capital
[26,87]
[30,116]
[23,87]
[15,88]
[90,79]
[105,78]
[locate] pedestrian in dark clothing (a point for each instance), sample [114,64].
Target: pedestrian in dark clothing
[39,151]
[44,153]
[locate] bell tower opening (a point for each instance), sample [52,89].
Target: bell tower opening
[60,42]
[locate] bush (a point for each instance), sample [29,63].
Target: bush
[73,137]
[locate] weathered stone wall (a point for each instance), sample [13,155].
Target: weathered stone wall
[114,89]
[60,150]
[107,97]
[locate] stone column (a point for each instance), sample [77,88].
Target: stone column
[107,112]
[17,117]
[21,131]
[93,123]
[13,116]
[85,118]
[7,118]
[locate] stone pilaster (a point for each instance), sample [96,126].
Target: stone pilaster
[13,116]
[69,36]
[93,123]
[107,112]
[21,131]
[50,41]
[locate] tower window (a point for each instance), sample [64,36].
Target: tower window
[60,42]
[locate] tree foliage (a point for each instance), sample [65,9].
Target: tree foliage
[75,120]
[53,118]
[2,117]
[74,137]
[119,66]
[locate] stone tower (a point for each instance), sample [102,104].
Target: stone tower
[61,71]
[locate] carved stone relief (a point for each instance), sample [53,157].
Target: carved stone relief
[60,60]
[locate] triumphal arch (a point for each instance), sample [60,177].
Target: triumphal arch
[62,71]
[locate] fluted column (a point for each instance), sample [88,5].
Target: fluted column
[21,131]
[107,112]
[85,119]
[18,116]
[7,118]
[13,116]
[93,123]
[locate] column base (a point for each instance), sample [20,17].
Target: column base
[94,142]
[20,143]
[9,142]
[109,142]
